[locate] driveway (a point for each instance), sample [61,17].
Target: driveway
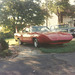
[31,61]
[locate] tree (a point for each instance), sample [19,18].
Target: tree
[60,8]
[21,13]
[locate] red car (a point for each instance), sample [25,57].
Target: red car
[37,35]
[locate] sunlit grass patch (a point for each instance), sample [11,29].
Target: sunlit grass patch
[11,41]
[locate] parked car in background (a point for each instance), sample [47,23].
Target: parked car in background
[57,28]
[37,35]
[63,28]
[71,31]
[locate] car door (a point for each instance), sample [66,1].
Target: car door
[26,36]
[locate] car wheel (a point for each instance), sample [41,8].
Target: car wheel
[36,44]
[19,42]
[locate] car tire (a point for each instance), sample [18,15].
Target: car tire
[19,42]
[35,42]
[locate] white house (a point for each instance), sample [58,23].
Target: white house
[52,21]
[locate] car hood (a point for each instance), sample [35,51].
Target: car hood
[58,35]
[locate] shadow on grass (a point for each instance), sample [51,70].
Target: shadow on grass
[64,48]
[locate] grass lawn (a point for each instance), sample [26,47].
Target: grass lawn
[11,41]
[65,48]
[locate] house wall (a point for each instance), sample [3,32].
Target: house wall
[53,20]
[68,20]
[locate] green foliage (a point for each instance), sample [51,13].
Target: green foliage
[65,48]
[5,53]
[61,8]
[72,13]
[3,44]
[1,35]
[20,13]
[6,35]
[4,48]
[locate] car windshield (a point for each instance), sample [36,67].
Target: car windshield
[40,29]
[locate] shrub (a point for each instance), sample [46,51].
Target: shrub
[1,34]
[3,44]
[5,53]
[6,35]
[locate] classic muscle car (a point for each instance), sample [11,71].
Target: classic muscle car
[37,35]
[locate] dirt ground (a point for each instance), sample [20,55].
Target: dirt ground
[30,61]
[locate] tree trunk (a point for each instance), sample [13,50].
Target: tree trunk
[60,18]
